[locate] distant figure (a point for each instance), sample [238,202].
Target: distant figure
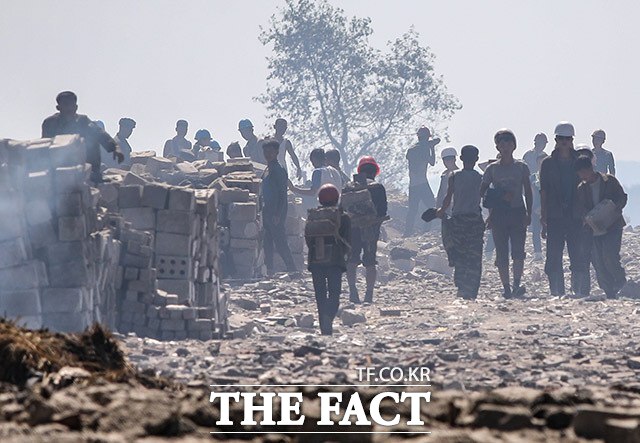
[594,188]
[253,148]
[561,217]
[510,214]
[466,227]
[333,159]
[419,157]
[68,121]
[274,208]
[536,227]
[234,150]
[531,156]
[322,175]
[327,234]
[126,127]
[449,159]
[203,141]
[365,227]
[605,162]
[174,146]
[286,147]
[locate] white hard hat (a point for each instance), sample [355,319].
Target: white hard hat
[565,129]
[448,152]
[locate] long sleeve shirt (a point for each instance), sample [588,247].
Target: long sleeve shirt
[81,125]
[274,190]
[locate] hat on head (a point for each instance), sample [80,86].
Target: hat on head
[328,194]
[448,152]
[245,124]
[202,133]
[368,160]
[564,129]
[214,144]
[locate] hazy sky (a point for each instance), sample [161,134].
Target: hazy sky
[523,65]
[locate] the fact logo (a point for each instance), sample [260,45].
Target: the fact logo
[339,405]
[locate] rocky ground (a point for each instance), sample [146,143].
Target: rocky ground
[539,369]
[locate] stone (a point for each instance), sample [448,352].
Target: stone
[20,303]
[249,230]
[400,253]
[241,325]
[174,267]
[132,178]
[72,228]
[74,273]
[155,196]
[70,178]
[182,199]
[12,253]
[243,211]
[305,321]
[140,218]
[622,431]
[184,289]
[69,204]
[634,363]
[591,421]
[245,303]
[65,300]
[173,244]
[10,227]
[405,265]
[350,317]
[156,164]
[177,222]
[28,275]
[42,235]
[67,150]
[439,264]
[231,195]
[504,418]
[130,196]
[37,211]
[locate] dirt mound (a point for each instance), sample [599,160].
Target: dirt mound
[25,354]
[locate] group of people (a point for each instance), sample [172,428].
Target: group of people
[552,194]
[559,200]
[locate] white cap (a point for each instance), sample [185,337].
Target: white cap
[448,152]
[565,129]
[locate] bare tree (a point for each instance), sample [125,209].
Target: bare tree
[337,90]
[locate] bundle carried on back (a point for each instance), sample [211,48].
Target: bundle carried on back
[356,201]
[322,232]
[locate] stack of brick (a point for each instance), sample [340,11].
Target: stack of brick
[239,219]
[295,235]
[63,254]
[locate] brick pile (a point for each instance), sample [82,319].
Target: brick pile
[57,267]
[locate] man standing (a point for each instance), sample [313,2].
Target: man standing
[466,225]
[560,215]
[449,159]
[509,217]
[595,188]
[531,156]
[68,121]
[286,147]
[419,157]
[605,162]
[322,175]
[333,159]
[364,239]
[175,146]
[536,227]
[126,127]
[327,234]
[274,208]
[253,148]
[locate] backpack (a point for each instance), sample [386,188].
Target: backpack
[356,201]
[323,223]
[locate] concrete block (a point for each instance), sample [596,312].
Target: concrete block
[37,211]
[12,253]
[141,285]
[28,275]
[38,183]
[36,155]
[132,178]
[64,252]
[10,225]
[72,228]
[184,289]
[230,195]
[245,230]
[67,150]
[157,164]
[75,273]
[243,211]
[42,235]
[140,218]
[174,267]
[20,303]
[182,199]
[172,324]
[136,261]
[177,222]
[67,321]
[69,204]
[155,196]
[130,196]
[70,178]
[65,300]
[131,273]
[173,244]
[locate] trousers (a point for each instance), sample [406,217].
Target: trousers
[571,232]
[327,285]
[276,235]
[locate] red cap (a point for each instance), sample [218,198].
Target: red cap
[328,194]
[368,160]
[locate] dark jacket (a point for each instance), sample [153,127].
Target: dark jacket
[610,189]
[274,190]
[81,125]
[339,254]
[551,185]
